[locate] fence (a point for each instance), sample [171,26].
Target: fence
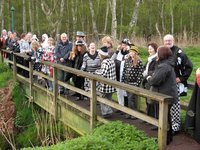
[57,109]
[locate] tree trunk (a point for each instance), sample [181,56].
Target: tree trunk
[54,21]
[74,20]
[62,4]
[31,16]
[172,17]
[121,18]
[24,16]
[9,18]
[37,16]
[114,20]
[162,17]
[2,14]
[134,17]
[191,24]
[94,26]
[106,17]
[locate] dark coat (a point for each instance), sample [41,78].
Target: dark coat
[192,120]
[163,80]
[183,67]
[62,50]
[151,69]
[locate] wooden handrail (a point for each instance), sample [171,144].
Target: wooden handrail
[162,99]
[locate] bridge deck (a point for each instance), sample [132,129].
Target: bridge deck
[181,141]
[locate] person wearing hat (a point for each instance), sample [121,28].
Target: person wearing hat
[132,75]
[76,58]
[108,71]
[119,57]
[80,36]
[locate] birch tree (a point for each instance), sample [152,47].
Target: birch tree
[114,20]
[94,26]
[31,16]
[2,14]
[24,16]
[37,16]
[106,16]
[54,22]
[134,17]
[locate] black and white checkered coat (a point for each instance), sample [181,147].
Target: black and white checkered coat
[108,71]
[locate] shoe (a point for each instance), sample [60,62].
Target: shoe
[154,128]
[128,116]
[133,118]
[50,89]
[175,132]
[76,95]
[85,98]
[61,92]
[107,116]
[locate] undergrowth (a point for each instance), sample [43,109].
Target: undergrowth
[112,136]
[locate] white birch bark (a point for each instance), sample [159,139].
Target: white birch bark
[94,26]
[106,17]
[114,20]
[134,17]
[24,16]
[2,14]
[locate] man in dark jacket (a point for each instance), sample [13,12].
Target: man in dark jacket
[62,51]
[183,69]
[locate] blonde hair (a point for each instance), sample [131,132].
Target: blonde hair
[107,39]
[136,58]
[35,45]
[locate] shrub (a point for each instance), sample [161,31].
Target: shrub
[115,135]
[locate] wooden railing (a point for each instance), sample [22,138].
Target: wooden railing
[163,100]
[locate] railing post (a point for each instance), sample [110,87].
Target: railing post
[163,123]
[55,91]
[2,56]
[14,67]
[31,80]
[93,105]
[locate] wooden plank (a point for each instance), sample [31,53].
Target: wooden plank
[163,123]
[93,105]
[128,111]
[23,67]
[74,121]
[55,91]
[75,106]
[14,68]
[42,75]
[30,80]
[75,89]
[2,59]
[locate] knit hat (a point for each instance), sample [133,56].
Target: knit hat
[80,33]
[135,49]
[126,41]
[103,51]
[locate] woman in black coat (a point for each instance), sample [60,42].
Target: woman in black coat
[152,106]
[163,80]
[76,59]
[192,120]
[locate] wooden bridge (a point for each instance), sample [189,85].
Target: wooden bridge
[83,116]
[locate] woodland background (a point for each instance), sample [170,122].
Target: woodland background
[146,19]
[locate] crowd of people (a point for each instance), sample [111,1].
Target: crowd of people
[166,70]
